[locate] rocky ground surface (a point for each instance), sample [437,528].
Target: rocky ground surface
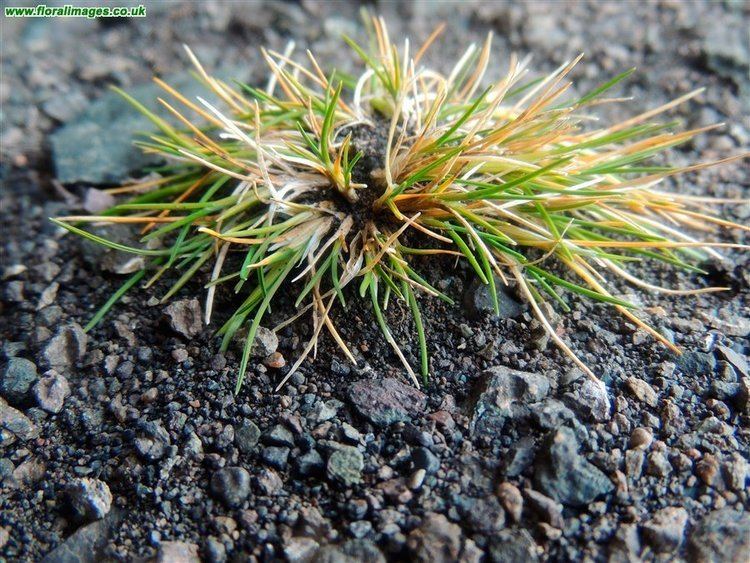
[127,443]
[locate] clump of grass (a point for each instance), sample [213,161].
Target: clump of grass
[315,181]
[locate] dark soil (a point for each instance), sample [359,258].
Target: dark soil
[654,469]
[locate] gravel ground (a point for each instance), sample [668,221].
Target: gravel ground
[127,443]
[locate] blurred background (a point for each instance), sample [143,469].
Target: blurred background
[55,71]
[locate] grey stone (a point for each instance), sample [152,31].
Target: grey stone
[549,510]
[484,515]
[723,535]
[664,531]
[512,545]
[362,551]
[658,464]
[634,460]
[436,540]
[6,469]
[153,441]
[95,201]
[246,437]
[97,146]
[63,108]
[90,498]
[565,475]
[735,471]
[265,343]
[86,545]
[111,260]
[51,391]
[591,401]
[66,348]
[551,413]
[642,391]
[28,473]
[478,300]
[360,528]
[385,401]
[345,466]
[16,379]
[269,481]
[625,545]
[505,393]
[727,53]
[671,418]
[325,410]
[300,549]
[739,361]
[231,485]
[177,552]
[185,317]
[193,445]
[14,425]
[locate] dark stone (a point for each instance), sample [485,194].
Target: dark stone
[309,464]
[385,401]
[423,458]
[278,436]
[231,485]
[246,437]
[478,300]
[16,379]
[275,456]
[215,551]
[696,363]
[565,475]
[520,456]
[362,551]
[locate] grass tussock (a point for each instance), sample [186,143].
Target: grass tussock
[316,179]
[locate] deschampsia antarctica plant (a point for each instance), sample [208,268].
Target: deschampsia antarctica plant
[322,180]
